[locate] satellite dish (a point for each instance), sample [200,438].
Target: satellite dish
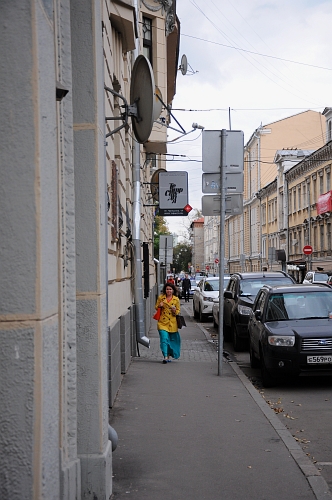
[158,105]
[184,64]
[155,184]
[142,89]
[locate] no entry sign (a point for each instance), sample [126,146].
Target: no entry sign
[307,250]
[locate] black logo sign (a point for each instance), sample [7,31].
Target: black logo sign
[173,192]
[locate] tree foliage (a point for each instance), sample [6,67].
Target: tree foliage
[182,257]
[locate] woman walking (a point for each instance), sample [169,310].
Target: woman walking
[170,340]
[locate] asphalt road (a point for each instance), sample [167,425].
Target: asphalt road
[304,406]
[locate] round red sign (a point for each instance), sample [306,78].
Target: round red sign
[216,261]
[307,250]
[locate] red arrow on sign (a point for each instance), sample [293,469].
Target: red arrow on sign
[307,250]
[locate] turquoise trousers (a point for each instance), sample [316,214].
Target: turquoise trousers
[170,344]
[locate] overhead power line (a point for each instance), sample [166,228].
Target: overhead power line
[256,53]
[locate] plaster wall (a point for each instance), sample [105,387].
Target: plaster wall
[91,252]
[28,253]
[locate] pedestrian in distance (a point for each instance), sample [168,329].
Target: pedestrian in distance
[170,280]
[186,286]
[170,340]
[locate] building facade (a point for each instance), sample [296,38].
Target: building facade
[244,250]
[197,241]
[76,226]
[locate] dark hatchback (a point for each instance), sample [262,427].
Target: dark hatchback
[290,332]
[239,299]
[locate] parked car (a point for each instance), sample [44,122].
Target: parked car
[316,277]
[204,293]
[290,331]
[239,298]
[215,305]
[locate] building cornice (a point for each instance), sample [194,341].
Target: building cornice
[310,163]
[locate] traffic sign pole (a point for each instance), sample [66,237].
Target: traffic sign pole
[221,252]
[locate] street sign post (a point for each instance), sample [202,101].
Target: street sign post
[223,178]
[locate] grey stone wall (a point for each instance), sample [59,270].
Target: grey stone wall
[114,379]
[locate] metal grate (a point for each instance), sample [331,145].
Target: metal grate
[319,344]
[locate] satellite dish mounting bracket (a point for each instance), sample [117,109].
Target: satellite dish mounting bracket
[141,107]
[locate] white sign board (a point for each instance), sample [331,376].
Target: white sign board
[173,190]
[165,249]
[211,204]
[234,182]
[211,151]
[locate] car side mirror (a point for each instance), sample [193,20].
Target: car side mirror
[258,314]
[228,294]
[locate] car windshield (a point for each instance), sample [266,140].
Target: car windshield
[250,288]
[211,286]
[308,305]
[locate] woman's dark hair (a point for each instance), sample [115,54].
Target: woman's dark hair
[175,292]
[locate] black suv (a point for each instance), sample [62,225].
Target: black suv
[290,332]
[239,298]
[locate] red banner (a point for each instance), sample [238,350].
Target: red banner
[324,203]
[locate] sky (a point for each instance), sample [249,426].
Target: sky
[250,62]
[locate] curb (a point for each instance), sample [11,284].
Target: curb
[316,481]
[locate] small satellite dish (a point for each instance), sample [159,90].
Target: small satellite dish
[184,64]
[158,105]
[155,184]
[142,89]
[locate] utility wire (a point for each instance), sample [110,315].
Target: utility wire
[256,53]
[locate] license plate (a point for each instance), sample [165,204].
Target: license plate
[319,359]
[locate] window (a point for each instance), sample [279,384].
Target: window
[329,134]
[147,38]
[299,237]
[314,190]
[304,196]
[290,201]
[321,230]
[294,199]
[299,197]
[321,183]
[328,179]
[263,214]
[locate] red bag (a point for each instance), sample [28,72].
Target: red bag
[157,315]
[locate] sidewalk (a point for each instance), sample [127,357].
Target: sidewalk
[186,433]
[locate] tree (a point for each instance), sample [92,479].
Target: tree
[160,227]
[182,256]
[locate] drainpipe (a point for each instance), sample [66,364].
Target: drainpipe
[138,287]
[157,263]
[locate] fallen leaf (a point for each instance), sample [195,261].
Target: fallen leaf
[249,467]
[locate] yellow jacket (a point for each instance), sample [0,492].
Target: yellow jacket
[168,319]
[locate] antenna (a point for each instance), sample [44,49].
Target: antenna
[184,65]
[143,101]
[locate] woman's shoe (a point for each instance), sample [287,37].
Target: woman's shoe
[164,361]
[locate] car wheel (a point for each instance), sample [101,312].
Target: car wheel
[195,313]
[254,362]
[215,324]
[267,379]
[238,344]
[201,316]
